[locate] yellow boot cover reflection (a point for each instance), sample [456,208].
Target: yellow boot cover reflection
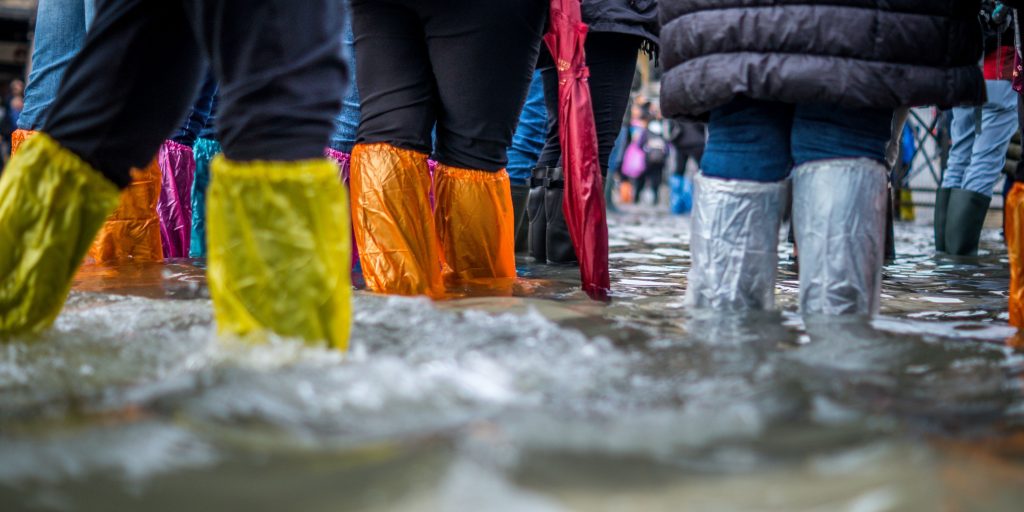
[393,222]
[51,206]
[475,223]
[132,232]
[279,256]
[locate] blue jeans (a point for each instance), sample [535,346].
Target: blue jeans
[347,122]
[762,141]
[59,35]
[200,121]
[977,159]
[531,134]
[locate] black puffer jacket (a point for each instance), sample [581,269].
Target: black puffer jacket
[853,53]
[636,17]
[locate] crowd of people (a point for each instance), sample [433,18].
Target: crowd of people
[418,141]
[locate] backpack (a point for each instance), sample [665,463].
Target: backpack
[655,145]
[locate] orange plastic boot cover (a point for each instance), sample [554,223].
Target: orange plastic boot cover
[475,223]
[132,233]
[1015,246]
[392,221]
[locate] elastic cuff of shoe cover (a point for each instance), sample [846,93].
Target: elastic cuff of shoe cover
[475,223]
[132,232]
[279,250]
[1015,247]
[52,203]
[18,138]
[393,221]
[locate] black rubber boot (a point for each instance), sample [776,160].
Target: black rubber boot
[941,208]
[557,242]
[520,195]
[964,219]
[536,215]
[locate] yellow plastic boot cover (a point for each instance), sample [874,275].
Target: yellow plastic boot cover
[279,255]
[393,222]
[1015,246]
[51,206]
[475,223]
[132,233]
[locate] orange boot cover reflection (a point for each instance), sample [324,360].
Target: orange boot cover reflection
[475,223]
[393,223]
[132,232]
[1015,246]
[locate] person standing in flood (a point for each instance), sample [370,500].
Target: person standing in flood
[616,31]
[278,236]
[788,90]
[461,70]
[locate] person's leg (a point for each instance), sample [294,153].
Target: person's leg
[278,235]
[962,131]
[611,59]
[59,34]
[392,216]
[527,143]
[346,126]
[482,55]
[738,205]
[840,187]
[69,173]
[968,204]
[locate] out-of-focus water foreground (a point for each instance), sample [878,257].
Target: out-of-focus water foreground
[539,401]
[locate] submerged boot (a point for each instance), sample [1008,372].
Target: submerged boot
[475,223]
[537,216]
[52,204]
[941,210]
[839,212]
[132,232]
[279,250]
[520,196]
[393,221]
[734,238]
[178,169]
[557,242]
[964,221]
[203,153]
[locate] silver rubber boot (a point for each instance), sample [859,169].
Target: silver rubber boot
[734,239]
[839,213]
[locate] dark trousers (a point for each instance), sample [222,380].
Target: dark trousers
[463,66]
[279,64]
[611,58]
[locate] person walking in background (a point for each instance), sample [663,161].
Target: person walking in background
[981,137]
[278,236]
[657,152]
[777,108]
[617,30]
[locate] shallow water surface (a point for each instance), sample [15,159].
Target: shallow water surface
[533,400]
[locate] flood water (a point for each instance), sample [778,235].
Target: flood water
[540,400]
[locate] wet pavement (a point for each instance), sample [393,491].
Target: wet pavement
[534,400]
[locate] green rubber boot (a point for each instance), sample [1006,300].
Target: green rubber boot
[941,208]
[965,218]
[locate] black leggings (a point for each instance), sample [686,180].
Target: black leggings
[462,65]
[279,64]
[611,58]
